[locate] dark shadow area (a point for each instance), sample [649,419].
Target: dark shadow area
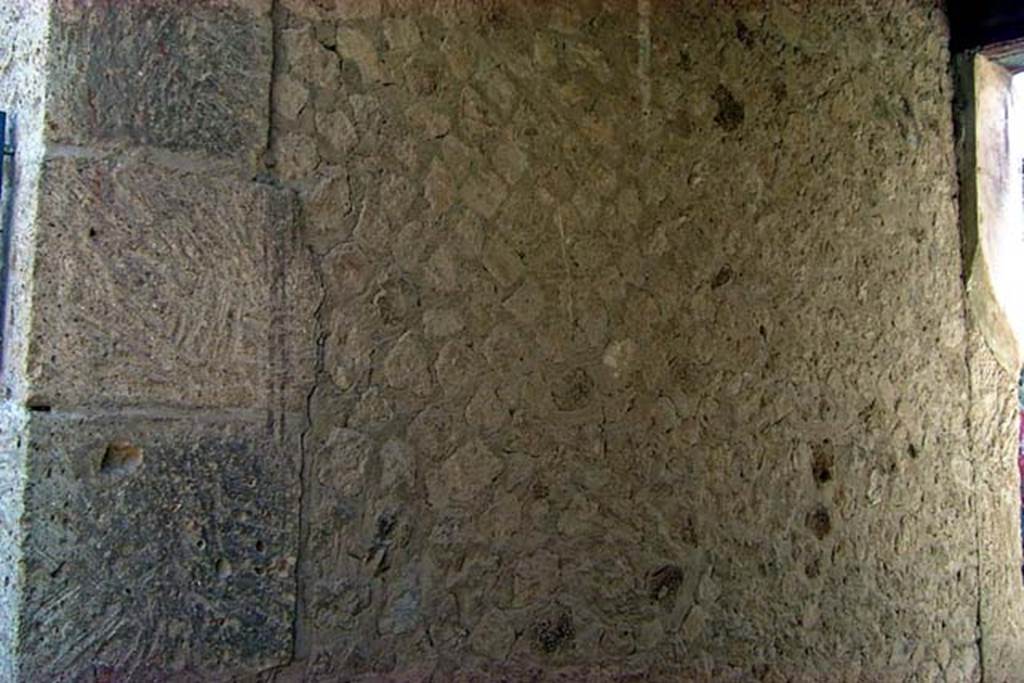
[8,179]
[975,24]
[1020,456]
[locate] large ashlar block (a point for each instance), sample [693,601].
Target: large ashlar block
[187,76]
[156,286]
[154,547]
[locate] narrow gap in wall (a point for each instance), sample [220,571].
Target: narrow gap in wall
[1020,459]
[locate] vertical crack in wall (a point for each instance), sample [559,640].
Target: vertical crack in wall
[962,76]
[976,486]
[277,419]
[301,629]
[964,141]
[283,218]
[274,46]
[644,59]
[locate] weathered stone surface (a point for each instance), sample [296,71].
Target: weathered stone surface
[990,189]
[23,81]
[631,365]
[166,287]
[995,432]
[677,370]
[156,547]
[186,76]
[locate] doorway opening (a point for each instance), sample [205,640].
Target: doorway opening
[991,150]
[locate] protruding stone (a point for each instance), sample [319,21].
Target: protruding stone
[501,262]
[295,156]
[290,97]
[406,366]
[401,34]
[342,462]
[464,476]
[484,192]
[352,10]
[338,135]
[439,188]
[441,270]
[308,60]
[329,213]
[356,46]
[442,322]
[511,162]
[493,635]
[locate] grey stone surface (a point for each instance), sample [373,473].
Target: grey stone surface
[188,76]
[159,286]
[161,327]
[156,547]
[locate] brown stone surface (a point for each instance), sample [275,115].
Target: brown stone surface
[156,546]
[984,105]
[994,420]
[636,338]
[643,343]
[188,76]
[157,286]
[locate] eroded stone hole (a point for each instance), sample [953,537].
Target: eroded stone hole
[819,522]
[664,582]
[722,277]
[554,633]
[821,465]
[121,457]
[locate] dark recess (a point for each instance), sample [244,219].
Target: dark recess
[978,23]
[6,224]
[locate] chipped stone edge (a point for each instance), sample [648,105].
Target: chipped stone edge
[26,104]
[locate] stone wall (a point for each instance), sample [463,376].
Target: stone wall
[170,323]
[989,195]
[500,339]
[23,34]
[643,343]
